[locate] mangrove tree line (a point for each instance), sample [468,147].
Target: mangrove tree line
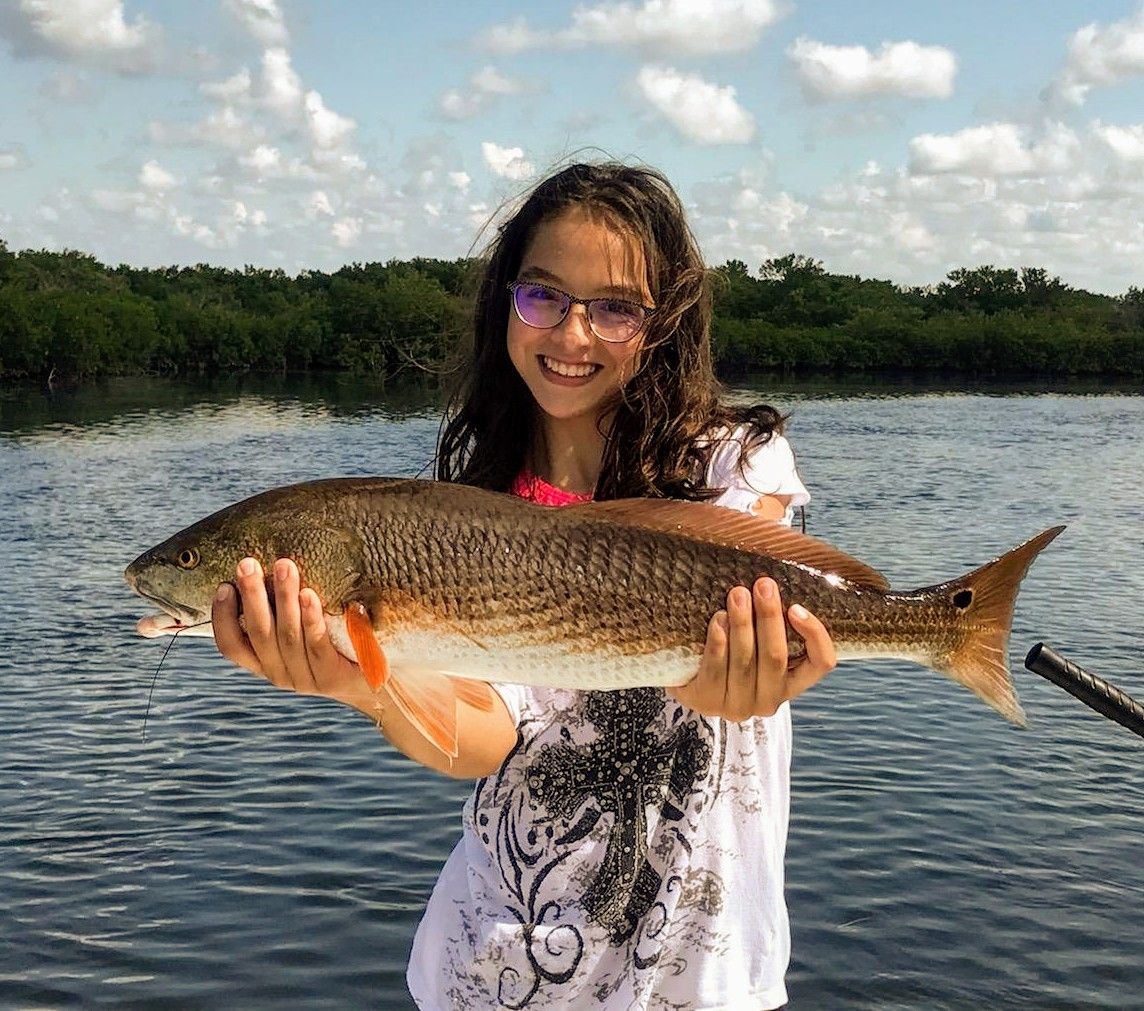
[65,315]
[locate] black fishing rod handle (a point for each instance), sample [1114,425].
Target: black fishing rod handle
[1093,691]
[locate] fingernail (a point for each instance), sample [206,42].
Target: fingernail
[223,592]
[281,569]
[766,589]
[799,612]
[246,567]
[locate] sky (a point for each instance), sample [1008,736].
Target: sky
[888,139]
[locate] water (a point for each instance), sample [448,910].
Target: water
[259,849]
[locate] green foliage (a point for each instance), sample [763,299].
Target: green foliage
[67,315]
[986,321]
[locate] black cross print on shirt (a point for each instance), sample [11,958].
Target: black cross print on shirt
[620,773]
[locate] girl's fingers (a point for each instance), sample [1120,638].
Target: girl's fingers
[771,638]
[742,671]
[821,656]
[704,693]
[320,652]
[288,627]
[259,619]
[315,635]
[229,636]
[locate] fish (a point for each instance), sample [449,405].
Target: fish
[439,590]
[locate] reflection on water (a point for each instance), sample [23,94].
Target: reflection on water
[25,408]
[258,849]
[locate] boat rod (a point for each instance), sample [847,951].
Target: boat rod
[1093,691]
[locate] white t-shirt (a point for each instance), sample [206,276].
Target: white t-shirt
[629,852]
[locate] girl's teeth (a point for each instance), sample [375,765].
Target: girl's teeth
[565,369]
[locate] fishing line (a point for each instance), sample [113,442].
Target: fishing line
[159,667]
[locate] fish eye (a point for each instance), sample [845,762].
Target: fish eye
[188,558]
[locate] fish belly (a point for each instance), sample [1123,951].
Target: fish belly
[511,660]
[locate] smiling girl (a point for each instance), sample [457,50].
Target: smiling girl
[620,849]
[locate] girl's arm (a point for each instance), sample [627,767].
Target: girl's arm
[289,646]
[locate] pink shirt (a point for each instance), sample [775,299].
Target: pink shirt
[528,486]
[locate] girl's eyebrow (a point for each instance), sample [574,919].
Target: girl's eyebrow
[625,292]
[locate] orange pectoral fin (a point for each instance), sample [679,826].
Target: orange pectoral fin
[477,694]
[370,657]
[426,697]
[428,700]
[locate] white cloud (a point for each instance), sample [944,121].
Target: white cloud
[281,86]
[326,128]
[492,82]
[1101,55]
[1126,142]
[70,87]
[235,88]
[263,160]
[1074,211]
[669,27]
[506,162]
[116,201]
[152,176]
[346,231]
[460,181]
[12,157]
[262,18]
[90,30]
[703,112]
[223,127]
[996,149]
[898,68]
[318,203]
[485,86]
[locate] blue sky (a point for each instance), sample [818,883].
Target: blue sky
[888,139]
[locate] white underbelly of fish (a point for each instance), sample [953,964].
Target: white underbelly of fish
[504,659]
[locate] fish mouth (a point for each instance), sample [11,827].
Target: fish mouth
[175,617]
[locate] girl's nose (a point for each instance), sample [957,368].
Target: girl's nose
[574,329]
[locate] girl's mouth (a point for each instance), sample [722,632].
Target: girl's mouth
[576,373]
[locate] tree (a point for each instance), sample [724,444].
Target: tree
[985,289]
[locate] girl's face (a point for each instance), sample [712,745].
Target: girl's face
[571,373]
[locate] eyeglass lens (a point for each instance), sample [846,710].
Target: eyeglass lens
[611,319]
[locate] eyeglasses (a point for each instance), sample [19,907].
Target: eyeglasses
[611,319]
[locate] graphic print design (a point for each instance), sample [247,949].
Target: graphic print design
[591,781]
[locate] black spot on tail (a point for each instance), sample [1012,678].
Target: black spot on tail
[962,599]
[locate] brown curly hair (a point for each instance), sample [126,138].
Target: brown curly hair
[657,445]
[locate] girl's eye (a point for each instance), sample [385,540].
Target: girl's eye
[188,558]
[539,293]
[618,309]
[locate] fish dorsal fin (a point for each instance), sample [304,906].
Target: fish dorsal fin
[702,521]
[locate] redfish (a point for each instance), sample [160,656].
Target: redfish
[436,589]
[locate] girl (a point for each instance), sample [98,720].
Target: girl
[620,849]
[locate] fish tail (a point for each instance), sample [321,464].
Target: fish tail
[985,598]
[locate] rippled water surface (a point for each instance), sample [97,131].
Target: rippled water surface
[260,850]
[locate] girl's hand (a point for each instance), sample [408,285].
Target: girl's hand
[288,644]
[743,671]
